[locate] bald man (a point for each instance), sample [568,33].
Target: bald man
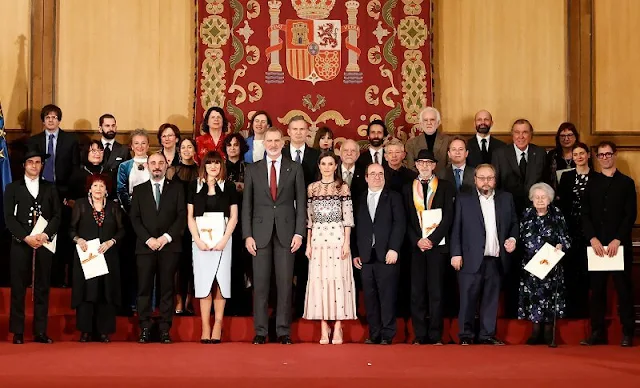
[482,145]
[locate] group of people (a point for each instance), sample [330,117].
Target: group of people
[329,227]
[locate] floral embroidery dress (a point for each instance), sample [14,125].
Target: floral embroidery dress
[536,302]
[330,289]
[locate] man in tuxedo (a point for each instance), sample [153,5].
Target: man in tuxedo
[375,242]
[299,152]
[485,228]
[25,201]
[273,223]
[459,172]
[114,152]
[64,159]
[376,132]
[430,251]
[609,211]
[158,215]
[482,145]
[518,167]
[430,139]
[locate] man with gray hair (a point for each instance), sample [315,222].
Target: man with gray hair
[430,139]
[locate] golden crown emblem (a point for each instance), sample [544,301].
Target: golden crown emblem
[313,9]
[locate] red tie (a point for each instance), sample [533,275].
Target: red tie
[273,184]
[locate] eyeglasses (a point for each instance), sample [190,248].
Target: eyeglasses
[96,150]
[566,136]
[423,162]
[168,136]
[485,178]
[50,117]
[605,155]
[376,174]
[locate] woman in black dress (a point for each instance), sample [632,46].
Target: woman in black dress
[561,157]
[90,166]
[96,300]
[168,137]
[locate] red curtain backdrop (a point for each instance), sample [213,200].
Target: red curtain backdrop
[337,63]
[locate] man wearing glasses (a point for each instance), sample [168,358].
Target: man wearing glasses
[429,238]
[483,236]
[64,159]
[608,215]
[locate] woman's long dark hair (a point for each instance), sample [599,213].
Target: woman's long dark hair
[337,176]
[204,128]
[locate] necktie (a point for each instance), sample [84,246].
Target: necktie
[523,165]
[298,158]
[484,151]
[157,195]
[107,152]
[458,176]
[48,166]
[371,202]
[348,177]
[273,181]
[375,158]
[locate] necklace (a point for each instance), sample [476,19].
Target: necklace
[327,183]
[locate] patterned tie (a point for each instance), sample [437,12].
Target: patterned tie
[375,158]
[48,173]
[458,176]
[298,158]
[273,184]
[107,152]
[348,177]
[157,195]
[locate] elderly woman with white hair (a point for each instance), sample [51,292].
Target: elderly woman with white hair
[542,223]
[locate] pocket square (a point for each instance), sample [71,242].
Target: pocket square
[118,158]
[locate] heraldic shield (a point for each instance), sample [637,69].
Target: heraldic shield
[313,49]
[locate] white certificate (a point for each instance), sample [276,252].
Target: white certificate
[93,263]
[560,172]
[211,228]
[544,261]
[431,219]
[605,263]
[38,228]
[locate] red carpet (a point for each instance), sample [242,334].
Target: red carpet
[311,365]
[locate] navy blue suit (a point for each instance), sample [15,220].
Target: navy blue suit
[479,272]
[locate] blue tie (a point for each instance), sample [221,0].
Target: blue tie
[48,165]
[457,172]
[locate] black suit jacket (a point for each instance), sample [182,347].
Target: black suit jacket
[119,153]
[365,160]
[475,155]
[388,226]
[396,179]
[508,176]
[468,234]
[358,183]
[67,157]
[309,163]
[170,217]
[18,207]
[468,185]
[443,199]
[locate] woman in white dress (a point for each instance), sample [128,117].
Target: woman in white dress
[212,264]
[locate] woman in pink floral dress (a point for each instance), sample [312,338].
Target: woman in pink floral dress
[330,289]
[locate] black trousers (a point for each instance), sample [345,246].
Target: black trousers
[128,267]
[483,285]
[162,266]
[576,276]
[380,288]
[96,317]
[427,276]
[622,281]
[185,269]
[276,254]
[21,262]
[301,272]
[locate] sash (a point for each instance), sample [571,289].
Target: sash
[418,196]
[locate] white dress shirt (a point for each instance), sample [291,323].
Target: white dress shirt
[294,152]
[344,170]
[258,150]
[33,185]
[519,153]
[278,164]
[136,176]
[480,138]
[105,142]
[380,154]
[491,243]
[153,190]
[373,197]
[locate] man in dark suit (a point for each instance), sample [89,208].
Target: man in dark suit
[459,172]
[482,145]
[273,223]
[376,132]
[430,250]
[299,152]
[25,201]
[484,234]
[158,215]
[64,159]
[375,242]
[609,211]
[430,139]
[352,172]
[114,152]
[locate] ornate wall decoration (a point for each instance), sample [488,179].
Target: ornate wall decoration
[306,57]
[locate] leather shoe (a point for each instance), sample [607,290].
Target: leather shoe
[386,341]
[593,340]
[18,339]
[145,336]
[491,341]
[165,338]
[371,341]
[42,338]
[627,341]
[104,338]
[85,337]
[259,340]
[285,340]
[215,341]
[466,341]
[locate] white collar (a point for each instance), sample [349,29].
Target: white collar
[351,170]
[54,133]
[294,149]
[161,182]
[519,151]
[29,180]
[480,138]
[461,167]
[278,159]
[373,151]
[493,194]
[105,142]
[375,192]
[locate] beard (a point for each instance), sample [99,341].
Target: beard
[483,129]
[109,135]
[376,142]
